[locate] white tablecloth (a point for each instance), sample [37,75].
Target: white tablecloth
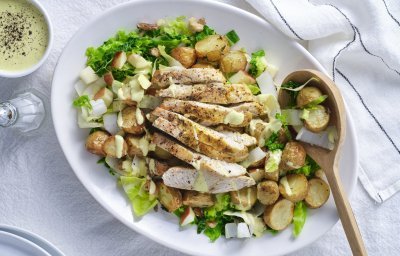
[39,191]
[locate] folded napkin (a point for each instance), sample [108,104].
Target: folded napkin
[358,44]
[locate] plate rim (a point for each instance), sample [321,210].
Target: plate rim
[25,242]
[32,237]
[232,8]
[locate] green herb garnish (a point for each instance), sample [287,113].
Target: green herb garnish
[233,37]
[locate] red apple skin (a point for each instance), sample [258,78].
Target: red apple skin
[119,60]
[108,78]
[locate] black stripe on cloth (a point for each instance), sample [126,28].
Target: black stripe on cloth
[368,110]
[284,20]
[390,14]
[356,30]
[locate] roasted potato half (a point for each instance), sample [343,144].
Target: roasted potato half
[318,193]
[233,61]
[95,141]
[274,176]
[156,167]
[318,119]
[244,198]
[202,65]
[293,156]
[307,95]
[185,55]
[279,215]
[170,198]
[267,192]
[212,47]
[110,147]
[129,122]
[197,199]
[257,174]
[293,187]
[242,77]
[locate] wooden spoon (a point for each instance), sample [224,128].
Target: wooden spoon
[329,159]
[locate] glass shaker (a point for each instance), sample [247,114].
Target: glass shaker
[25,112]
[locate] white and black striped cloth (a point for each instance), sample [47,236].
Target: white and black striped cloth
[358,42]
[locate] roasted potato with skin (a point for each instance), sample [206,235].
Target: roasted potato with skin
[307,95]
[274,176]
[129,122]
[197,199]
[293,156]
[202,65]
[156,167]
[279,215]
[318,119]
[267,192]
[185,55]
[170,198]
[110,149]
[298,187]
[318,193]
[244,198]
[134,148]
[95,141]
[212,47]
[233,61]
[257,174]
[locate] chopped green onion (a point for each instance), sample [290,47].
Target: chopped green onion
[232,37]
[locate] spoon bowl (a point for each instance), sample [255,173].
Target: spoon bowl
[329,159]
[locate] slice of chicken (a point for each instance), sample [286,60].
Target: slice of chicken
[255,108]
[198,161]
[242,138]
[217,93]
[208,114]
[204,181]
[195,135]
[162,79]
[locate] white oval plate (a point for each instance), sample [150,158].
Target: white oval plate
[14,245]
[39,241]
[255,34]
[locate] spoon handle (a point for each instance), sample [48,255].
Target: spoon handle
[345,212]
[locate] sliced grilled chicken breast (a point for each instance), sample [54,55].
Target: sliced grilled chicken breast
[162,79]
[255,108]
[208,114]
[198,161]
[242,138]
[204,181]
[217,93]
[195,136]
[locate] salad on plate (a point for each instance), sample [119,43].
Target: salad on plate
[188,121]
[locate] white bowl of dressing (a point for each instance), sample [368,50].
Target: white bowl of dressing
[26,37]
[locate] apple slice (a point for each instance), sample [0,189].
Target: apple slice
[108,78]
[88,75]
[119,60]
[187,217]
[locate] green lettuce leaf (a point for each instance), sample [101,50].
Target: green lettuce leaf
[207,31]
[254,89]
[233,37]
[140,199]
[212,224]
[258,63]
[82,101]
[299,217]
[309,168]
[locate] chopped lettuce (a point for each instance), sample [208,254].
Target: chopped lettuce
[309,168]
[174,27]
[299,217]
[273,161]
[82,101]
[273,144]
[139,197]
[258,63]
[292,94]
[171,61]
[212,224]
[255,90]
[207,31]
[316,102]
